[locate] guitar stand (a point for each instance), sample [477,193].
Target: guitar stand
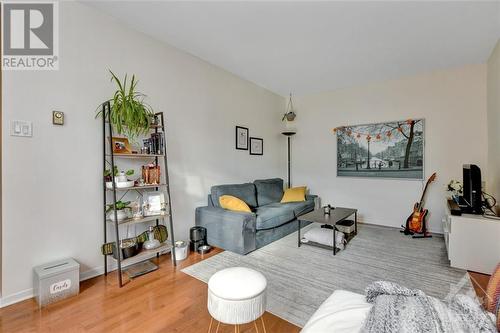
[425,235]
[406,231]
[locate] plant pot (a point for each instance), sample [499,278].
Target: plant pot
[128,250]
[121,215]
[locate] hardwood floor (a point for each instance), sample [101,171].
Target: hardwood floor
[480,282]
[166,300]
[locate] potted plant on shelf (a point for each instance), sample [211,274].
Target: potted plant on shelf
[121,178]
[129,114]
[122,211]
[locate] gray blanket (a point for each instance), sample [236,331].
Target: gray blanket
[398,309]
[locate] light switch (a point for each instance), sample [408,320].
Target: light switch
[21,128]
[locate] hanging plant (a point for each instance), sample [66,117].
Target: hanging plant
[130,115]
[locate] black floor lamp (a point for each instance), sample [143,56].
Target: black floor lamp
[289,135]
[290,131]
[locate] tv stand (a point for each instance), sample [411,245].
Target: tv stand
[472,241]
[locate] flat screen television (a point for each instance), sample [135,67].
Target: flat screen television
[472,192]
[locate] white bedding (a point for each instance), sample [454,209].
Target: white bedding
[342,312]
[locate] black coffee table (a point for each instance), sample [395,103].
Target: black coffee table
[336,215]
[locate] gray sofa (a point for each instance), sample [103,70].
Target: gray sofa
[269,220]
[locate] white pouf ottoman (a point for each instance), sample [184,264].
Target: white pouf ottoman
[237,295]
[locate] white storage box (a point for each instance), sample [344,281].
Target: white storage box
[56,280]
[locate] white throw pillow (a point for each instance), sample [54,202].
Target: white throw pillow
[324,236]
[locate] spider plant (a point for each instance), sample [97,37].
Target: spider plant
[130,115]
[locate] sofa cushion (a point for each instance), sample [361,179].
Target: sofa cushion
[245,192]
[303,207]
[276,214]
[294,194]
[269,190]
[233,204]
[273,215]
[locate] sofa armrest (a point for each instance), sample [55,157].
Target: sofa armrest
[232,231]
[210,203]
[315,198]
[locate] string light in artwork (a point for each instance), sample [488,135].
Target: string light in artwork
[376,137]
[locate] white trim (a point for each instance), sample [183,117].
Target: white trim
[363,221]
[17,297]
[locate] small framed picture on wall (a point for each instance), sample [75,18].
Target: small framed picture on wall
[241,138]
[256,146]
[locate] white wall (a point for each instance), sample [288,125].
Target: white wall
[52,195]
[453,103]
[494,122]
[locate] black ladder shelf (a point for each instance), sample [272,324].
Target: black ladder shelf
[109,160]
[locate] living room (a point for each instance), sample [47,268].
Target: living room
[221,78]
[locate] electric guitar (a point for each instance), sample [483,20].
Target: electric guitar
[415,223]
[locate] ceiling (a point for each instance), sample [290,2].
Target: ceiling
[309,47]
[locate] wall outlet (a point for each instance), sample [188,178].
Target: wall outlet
[21,128]
[57,118]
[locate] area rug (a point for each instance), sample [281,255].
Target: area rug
[300,279]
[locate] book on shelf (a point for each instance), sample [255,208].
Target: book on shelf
[154,144]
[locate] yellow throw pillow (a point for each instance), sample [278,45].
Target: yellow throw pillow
[294,194]
[233,203]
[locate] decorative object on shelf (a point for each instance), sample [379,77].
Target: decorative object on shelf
[153,145]
[122,211]
[155,121]
[154,203]
[382,150]
[136,207]
[107,173]
[121,145]
[128,114]
[455,188]
[121,178]
[151,174]
[151,243]
[256,146]
[127,184]
[128,248]
[241,138]
[160,233]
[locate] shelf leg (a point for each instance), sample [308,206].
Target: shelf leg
[117,233]
[167,180]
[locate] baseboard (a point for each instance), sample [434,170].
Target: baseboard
[17,297]
[363,221]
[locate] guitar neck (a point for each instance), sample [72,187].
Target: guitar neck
[423,193]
